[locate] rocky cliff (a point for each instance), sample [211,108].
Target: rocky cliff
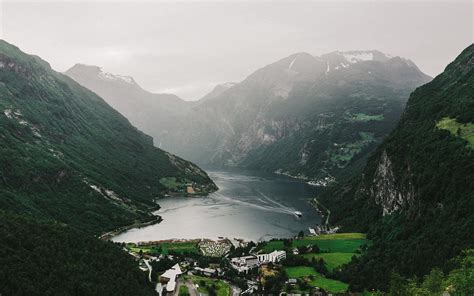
[415,196]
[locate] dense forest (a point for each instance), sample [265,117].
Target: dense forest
[416,196]
[39,258]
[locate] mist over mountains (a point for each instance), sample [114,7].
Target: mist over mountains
[303,116]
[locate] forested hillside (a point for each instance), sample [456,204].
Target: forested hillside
[71,166]
[66,155]
[39,258]
[145,110]
[416,195]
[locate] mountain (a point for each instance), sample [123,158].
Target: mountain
[416,194]
[305,116]
[67,156]
[146,110]
[310,117]
[218,90]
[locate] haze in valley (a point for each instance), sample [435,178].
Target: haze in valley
[186,48]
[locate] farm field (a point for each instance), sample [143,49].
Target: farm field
[334,243]
[330,285]
[335,249]
[165,247]
[315,279]
[332,260]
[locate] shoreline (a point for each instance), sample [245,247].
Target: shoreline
[109,235]
[317,205]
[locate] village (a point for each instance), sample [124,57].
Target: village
[303,264]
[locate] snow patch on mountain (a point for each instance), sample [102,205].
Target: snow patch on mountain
[111,77]
[229,84]
[354,57]
[291,64]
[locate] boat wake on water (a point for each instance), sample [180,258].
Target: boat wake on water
[267,204]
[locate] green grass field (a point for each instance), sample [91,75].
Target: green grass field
[178,247]
[272,246]
[334,243]
[222,288]
[329,285]
[465,131]
[332,260]
[300,271]
[315,279]
[338,250]
[183,290]
[348,235]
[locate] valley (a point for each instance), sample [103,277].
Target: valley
[348,172]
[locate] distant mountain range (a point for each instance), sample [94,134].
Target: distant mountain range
[305,116]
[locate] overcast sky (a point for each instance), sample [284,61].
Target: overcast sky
[186,48]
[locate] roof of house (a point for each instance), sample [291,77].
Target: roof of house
[171,274]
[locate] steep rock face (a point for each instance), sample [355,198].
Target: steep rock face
[415,196]
[386,191]
[66,155]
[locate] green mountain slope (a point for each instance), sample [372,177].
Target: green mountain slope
[47,259]
[416,195]
[66,155]
[145,110]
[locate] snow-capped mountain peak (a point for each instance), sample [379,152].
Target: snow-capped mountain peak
[99,72]
[357,56]
[354,57]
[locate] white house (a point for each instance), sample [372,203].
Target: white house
[244,263]
[169,277]
[274,256]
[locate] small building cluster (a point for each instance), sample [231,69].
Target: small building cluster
[244,264]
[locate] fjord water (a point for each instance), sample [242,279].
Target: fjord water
[248,205]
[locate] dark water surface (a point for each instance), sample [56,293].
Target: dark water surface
[249,205]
